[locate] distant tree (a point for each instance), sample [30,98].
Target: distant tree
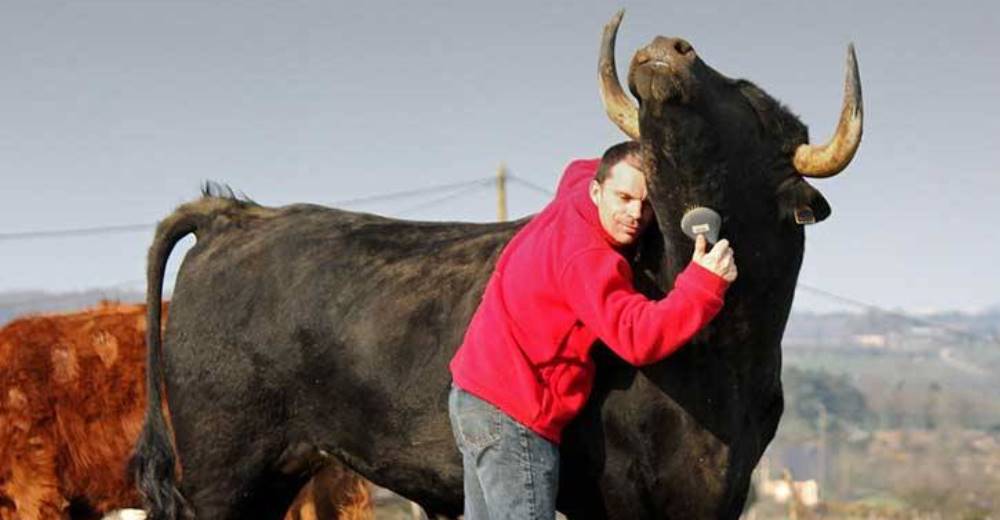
[807,392]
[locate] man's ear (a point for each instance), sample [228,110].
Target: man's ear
[799,202]
[595,191]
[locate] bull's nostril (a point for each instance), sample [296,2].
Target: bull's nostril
[682,46]
[641,57]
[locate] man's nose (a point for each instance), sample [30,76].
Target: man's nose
[634,209]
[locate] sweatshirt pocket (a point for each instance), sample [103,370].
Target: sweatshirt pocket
[567,386]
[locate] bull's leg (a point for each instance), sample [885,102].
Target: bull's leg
[238,495]
[235,481]
[233,456]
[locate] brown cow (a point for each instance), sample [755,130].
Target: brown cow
[72,396]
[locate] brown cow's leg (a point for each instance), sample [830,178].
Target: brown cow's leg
[355,501]
[33,485]
[334,493]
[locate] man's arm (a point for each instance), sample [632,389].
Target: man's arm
[598,286]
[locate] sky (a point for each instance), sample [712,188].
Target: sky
[114,113]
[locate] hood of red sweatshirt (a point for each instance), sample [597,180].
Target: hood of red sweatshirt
[579,198]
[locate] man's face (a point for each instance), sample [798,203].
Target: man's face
[621,203]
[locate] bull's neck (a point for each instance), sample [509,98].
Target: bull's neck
[752,320]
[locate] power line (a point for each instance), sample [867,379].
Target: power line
[408,193]
[842,299]
[59,233]
[898,314]
[129,228]
[479,185]
[530,185]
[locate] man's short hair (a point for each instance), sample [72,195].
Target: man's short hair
[625,151]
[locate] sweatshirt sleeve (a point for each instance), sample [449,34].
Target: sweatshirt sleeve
[598,286]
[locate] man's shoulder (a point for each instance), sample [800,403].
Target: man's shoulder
[562,233]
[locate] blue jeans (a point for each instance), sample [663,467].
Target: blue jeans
[510,472]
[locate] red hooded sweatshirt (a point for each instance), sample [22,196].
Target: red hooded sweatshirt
[559,285]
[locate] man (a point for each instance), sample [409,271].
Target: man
[524,370]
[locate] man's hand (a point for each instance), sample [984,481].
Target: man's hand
[719,260]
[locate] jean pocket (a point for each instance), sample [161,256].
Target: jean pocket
[479,423]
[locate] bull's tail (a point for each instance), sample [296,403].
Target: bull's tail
[153,463]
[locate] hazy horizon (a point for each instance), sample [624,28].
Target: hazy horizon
[114,113]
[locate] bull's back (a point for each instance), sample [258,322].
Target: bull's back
[308,273]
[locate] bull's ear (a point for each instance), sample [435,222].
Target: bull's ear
[801,203]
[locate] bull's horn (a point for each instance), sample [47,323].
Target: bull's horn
[620,108]
[829,159]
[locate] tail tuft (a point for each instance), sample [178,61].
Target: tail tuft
[152,470]
[215,189]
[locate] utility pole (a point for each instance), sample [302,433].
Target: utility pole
[502,193]
[822,444]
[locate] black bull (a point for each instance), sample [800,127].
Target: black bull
[304,334]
